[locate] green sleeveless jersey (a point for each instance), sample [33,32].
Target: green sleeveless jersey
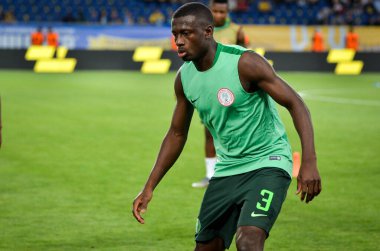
[246,127]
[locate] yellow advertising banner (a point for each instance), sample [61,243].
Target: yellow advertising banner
[268,37]
[298,38]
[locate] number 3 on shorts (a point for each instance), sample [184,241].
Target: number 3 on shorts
[266,199]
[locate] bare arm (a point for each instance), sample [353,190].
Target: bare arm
[170,150]
[256,73]
[240,40]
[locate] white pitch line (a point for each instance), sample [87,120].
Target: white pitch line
[339,100]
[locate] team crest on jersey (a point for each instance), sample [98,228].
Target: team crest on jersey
[226,97]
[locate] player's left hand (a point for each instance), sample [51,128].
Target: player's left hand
[308,182]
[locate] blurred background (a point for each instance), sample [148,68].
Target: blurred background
[271,25]
[290,12]
[87,95]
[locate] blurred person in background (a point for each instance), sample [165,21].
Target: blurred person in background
[128,18]
[157,17]
[317,43]
[37,37]
[323,15]
[352,39]
[52,37]
[372,12]
[338,12]
[103,19]
[264,6]
[9,17]
[115,18]
[242,5]
[141,20]
[69,17]
[94,15]
[225,32]
[80,17]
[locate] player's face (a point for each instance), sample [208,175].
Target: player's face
[220,13]
[190,37]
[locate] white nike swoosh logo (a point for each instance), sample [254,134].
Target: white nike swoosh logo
[257,215]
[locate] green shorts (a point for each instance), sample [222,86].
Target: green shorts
[249,199]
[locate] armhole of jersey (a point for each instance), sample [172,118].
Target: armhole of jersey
[181,71]
[240,84]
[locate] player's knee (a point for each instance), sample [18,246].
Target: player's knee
[250,238]
[216,244]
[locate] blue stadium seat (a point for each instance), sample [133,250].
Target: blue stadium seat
[54,10]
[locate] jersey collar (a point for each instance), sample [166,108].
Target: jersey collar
[217,53]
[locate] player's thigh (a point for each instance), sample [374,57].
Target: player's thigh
[219,214]
[263,200]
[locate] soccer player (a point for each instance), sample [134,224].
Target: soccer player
[234,90]
[225,32]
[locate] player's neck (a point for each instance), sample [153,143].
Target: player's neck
[205,62]
[226,24]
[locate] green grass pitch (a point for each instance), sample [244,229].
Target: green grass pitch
[78,148]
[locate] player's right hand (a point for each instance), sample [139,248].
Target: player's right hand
[140,205]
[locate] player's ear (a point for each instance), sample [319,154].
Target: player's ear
[209,31]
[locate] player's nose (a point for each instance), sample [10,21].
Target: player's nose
[179,41]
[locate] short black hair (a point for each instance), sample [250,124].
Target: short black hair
[196,9]
[219,1]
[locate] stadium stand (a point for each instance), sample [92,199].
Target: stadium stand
[278,12]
